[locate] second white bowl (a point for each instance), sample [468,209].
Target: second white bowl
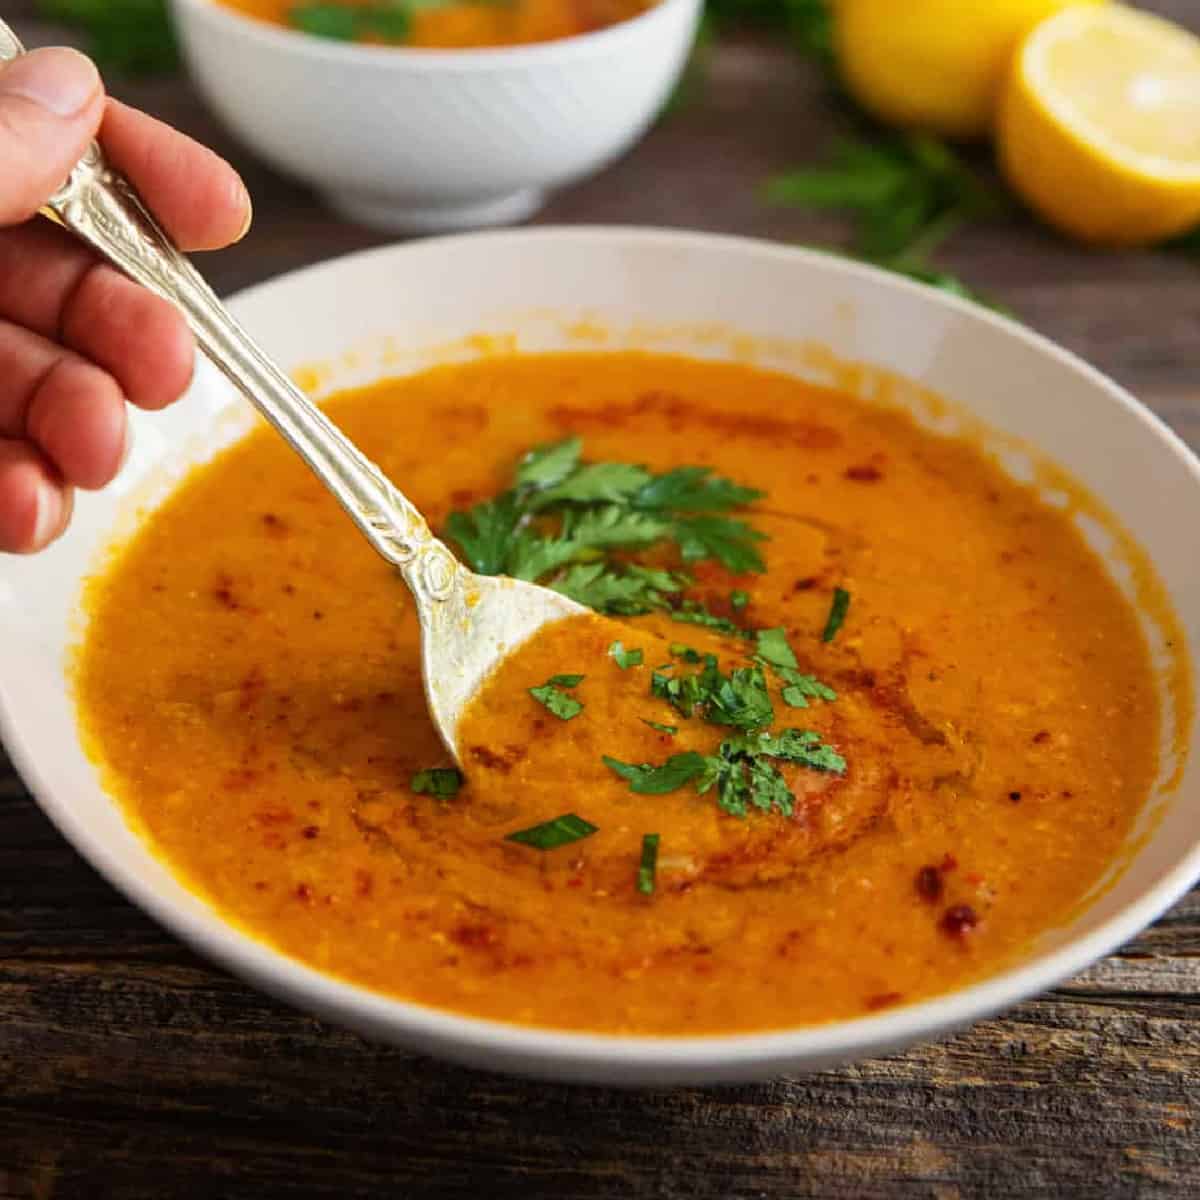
[416,141]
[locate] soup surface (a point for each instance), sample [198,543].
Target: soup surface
[868,772]
[452,24]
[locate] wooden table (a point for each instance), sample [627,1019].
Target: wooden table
[130,1068]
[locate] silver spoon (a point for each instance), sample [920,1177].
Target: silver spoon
[468,622]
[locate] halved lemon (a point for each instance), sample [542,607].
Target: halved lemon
[935,65]
[1099,125]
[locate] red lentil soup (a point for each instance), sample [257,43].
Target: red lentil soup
[455,24]
[905,747]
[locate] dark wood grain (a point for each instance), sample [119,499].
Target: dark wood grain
[129,1068]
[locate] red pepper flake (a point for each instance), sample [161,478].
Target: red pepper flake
[475,935]
[1041,737]
[806,584]
[929,884]
[318,615]
[310,832]
[223,593]
[274,524]
[1015,797]
[864,474]
[883,1000]
[303,892]
[949,863]
[959,920]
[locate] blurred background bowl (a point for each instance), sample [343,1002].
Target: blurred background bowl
[417,141]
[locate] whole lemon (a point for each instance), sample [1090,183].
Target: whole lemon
[934,65]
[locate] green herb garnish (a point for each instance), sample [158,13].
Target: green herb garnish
[648,780]
[741,771]
[739,699]
[773,648]
[648,868]
[551,696]
[625,658]
[672,730]
[570,525]
[738,600]
[442,782]
[800,689]
[679,650]
[692,612]
[837,614]
[550,835]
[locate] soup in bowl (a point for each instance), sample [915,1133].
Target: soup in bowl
[416,139]
[881,719]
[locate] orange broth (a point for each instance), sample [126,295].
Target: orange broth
[250,687]
[484,23]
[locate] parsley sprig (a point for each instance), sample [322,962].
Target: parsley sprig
[908,193]
[126,37]
[744,769]
[569,524]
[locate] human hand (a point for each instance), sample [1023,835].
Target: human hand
[78,341]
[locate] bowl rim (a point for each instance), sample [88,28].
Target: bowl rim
[449,60]
[630,1059]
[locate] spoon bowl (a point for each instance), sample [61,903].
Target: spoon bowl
[468,622]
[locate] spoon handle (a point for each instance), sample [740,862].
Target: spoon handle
[101,207]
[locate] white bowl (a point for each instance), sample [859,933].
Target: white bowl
[417,141]
[400,308]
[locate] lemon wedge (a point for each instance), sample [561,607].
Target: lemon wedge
[1099,125]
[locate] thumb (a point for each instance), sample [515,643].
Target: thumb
[51,104]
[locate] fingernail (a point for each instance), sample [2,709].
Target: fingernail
[249,216]
[127,448]
[49,520]
[59,80]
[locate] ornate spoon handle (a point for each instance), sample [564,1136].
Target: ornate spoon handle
[100,206]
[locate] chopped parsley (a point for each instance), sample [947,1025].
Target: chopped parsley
[625,658]
[550,835]
[679,650]
[692,612]
[800,689]
[773,648]
[551,696]
[670,730]
[738,600]
[740,699]
[570,525]
[648,868]
[442,782]
[837,614]
[741,771]
[567,681]
[648,780]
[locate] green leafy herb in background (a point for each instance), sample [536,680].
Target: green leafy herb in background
[125,37]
